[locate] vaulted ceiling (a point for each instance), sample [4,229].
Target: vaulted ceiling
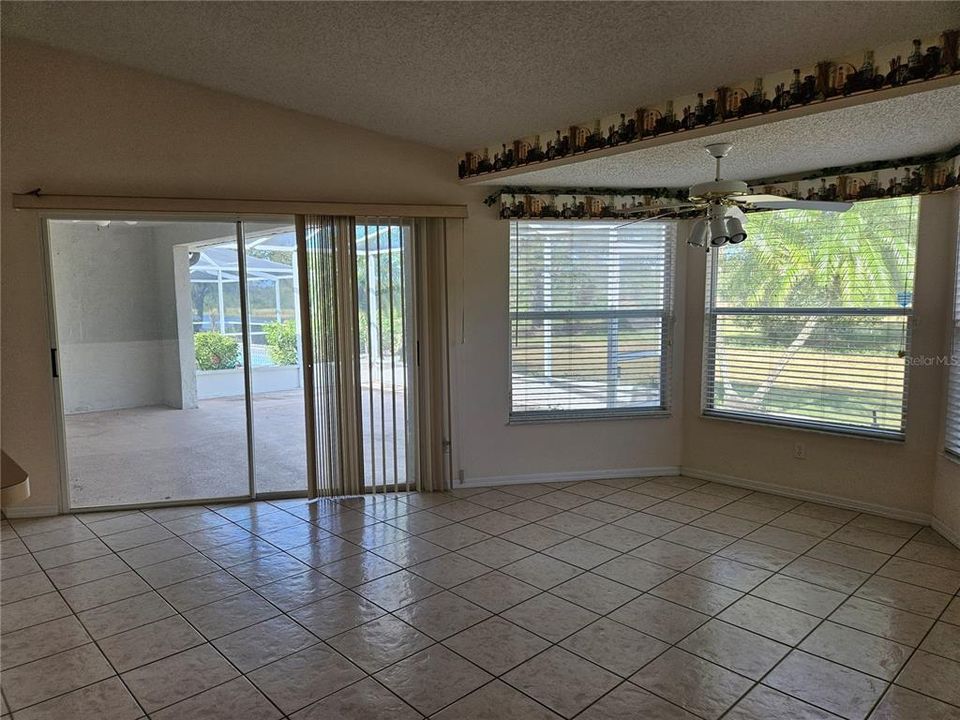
[459,74]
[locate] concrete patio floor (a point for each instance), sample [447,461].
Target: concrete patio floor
[162,454]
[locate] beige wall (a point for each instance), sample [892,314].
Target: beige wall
[946,498]
[76,125]
[883,475]
[946,486]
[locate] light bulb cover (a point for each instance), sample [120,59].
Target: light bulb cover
[735,230]
[698,233]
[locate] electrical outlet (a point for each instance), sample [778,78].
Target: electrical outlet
[800,451]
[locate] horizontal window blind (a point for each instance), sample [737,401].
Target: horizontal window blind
[590,309]
[808,321]
[952,435]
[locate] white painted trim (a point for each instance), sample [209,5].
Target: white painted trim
[30,511]
[227,207]
[810,495]
[949,533]
[569,476]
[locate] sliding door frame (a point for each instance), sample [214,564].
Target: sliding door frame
[307,364]
[63,471]
[60,207]
[59,420]
[245,331]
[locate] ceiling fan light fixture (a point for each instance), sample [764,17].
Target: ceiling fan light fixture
[698,233]
[735,230]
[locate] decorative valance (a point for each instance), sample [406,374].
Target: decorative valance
[885,178]
[919,61]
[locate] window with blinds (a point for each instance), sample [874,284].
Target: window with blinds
[808,321]
[590,312]
[952,434]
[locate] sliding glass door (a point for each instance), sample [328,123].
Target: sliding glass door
[276,373]
[149,360]
[178,359]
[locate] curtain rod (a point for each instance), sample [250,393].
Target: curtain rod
[38,200]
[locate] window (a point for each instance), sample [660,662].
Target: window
[590,309]
[952,436]
[808,321]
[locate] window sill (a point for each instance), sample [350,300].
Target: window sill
[538,419]
[832,430]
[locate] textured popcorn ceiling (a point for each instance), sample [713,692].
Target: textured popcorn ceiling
[458,74]
[916,124]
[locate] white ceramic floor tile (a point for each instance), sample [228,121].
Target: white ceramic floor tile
[564,682]
[105,699]
[414,679]
[364,700]
[841,690]
[571,594]
[175,678]
[46,678]
[693,683]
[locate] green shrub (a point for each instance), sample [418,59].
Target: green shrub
[282,342]
[364,337]
[215,351]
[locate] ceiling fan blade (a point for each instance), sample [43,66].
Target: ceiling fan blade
[654,207]
[820,205]
[735,211]
[758,198]
[646,219]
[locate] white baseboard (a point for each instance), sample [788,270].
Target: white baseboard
[810,495]
[569,476]
[30,511]
[949,533]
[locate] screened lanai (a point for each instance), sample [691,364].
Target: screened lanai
[271,264]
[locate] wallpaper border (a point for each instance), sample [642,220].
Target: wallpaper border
[823,82]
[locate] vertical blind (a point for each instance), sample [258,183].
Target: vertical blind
[590,310]
[330,256]
[808,321]
[952,436]
[375,348]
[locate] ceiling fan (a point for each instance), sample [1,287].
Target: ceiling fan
[722,203]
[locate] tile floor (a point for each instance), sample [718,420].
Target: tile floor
[666,598]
